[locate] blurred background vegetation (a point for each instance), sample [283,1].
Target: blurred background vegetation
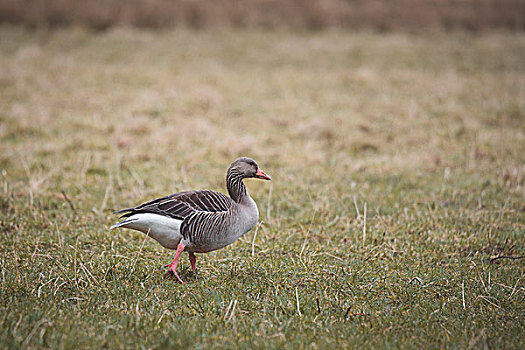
[309,14]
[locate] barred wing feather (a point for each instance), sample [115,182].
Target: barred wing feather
[183,204]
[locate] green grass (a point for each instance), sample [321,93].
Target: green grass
[425,130]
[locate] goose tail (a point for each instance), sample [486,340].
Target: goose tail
[123,223]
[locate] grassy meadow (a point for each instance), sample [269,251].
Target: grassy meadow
[395,217]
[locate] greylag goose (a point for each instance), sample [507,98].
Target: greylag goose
[199,221]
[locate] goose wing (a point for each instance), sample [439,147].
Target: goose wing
[183,204]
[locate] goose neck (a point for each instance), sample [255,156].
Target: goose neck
[235,186]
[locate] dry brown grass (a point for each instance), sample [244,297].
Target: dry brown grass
[416,101]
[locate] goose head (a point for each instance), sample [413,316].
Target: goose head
[248,168]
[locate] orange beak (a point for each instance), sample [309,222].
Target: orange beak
[261,175]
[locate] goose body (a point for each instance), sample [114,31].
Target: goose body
[199,221]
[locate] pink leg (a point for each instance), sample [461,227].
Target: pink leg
[175,262]
[193,262]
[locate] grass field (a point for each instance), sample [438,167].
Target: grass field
[395,210]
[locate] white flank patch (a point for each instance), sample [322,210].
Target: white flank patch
[163,229]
